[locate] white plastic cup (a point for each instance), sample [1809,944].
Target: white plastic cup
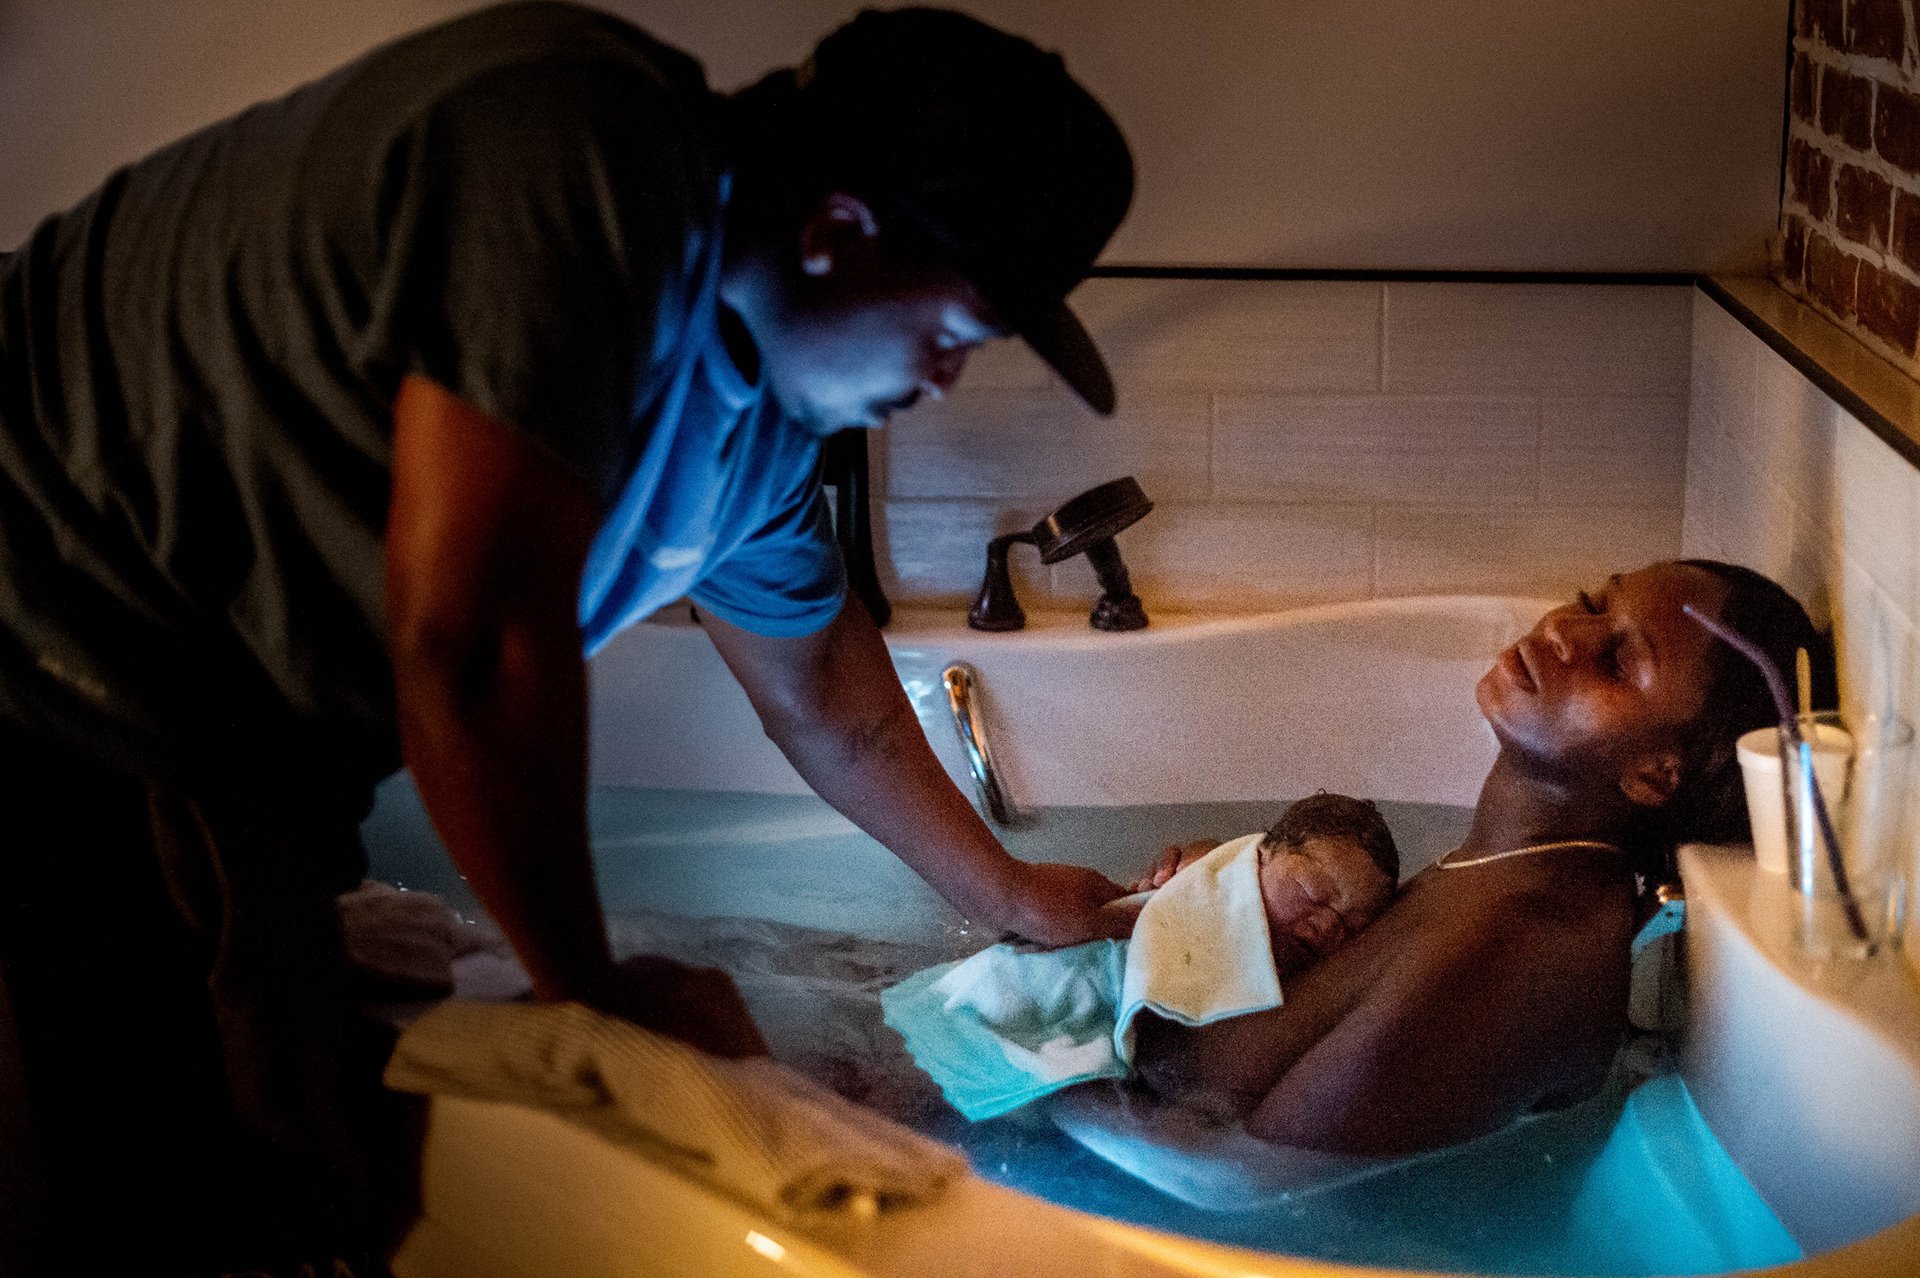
[1759,753]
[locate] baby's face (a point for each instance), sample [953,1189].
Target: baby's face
[1317,895]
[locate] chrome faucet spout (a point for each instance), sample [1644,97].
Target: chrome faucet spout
[962,683]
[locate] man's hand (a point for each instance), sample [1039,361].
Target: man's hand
[700,1006]
[1171,861]
[1066,904]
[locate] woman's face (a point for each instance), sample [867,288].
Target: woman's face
[1611,681]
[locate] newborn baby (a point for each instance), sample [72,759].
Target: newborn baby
[1221,927]
[1328,867]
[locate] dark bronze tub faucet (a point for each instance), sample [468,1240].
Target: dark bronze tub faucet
[1085,524]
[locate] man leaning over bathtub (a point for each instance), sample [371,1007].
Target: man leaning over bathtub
[331,434]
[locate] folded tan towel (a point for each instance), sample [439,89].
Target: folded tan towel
[753,1128]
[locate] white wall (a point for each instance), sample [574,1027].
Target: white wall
[1498,134]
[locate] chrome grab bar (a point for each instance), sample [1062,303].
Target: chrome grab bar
[959,679]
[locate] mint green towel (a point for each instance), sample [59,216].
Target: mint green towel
[1052,1026]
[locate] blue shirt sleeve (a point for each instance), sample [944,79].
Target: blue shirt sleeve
[785,578]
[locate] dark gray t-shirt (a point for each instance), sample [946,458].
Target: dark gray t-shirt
[198,364]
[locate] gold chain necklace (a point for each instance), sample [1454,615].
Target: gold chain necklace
[1531,848]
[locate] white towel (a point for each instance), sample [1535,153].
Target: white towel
[750,1127]
[1200,951]
[411,945]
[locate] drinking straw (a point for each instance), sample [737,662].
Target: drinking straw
[1803,754]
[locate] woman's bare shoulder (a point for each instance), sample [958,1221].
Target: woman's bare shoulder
[1245,1055]
[1508,974]
[1493,1000]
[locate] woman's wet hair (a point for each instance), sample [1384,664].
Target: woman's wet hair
[1326,815]
[1710,804]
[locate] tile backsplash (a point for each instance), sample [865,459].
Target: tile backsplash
[1783,479]
[1314,441]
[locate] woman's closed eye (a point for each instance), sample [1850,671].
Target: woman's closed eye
[1612,663]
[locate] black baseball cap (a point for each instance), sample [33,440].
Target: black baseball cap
[985,146]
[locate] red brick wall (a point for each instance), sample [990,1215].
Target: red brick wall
[1850,215]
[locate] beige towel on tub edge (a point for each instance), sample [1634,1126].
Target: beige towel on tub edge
[752,1128]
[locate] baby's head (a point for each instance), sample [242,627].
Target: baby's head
[1327,869]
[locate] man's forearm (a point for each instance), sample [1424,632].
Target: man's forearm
[834,705]
[869,758]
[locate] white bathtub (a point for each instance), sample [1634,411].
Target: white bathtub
[1811,1079]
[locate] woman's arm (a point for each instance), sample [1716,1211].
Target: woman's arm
[1171,861]
[1215,1166]
[1245,1056]
[1429,1055]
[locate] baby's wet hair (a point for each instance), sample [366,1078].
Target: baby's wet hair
[1325,815]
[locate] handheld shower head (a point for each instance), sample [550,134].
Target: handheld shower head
[1085,524]
[1094,515]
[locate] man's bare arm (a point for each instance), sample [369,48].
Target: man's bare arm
[486,538]
[833,704]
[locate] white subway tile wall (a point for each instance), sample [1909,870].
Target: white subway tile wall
[1784,480]
[1551,550]
[1041,445]
[1313,441]
[1280,556]
[1554,339]
[1378,449]
[1582,442]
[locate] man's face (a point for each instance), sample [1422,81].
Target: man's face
[872,342]
[862,332]
[1318,894]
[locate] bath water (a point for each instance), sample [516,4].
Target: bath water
[814,918]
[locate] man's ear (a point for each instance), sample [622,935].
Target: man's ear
[1652,779]
[840,226]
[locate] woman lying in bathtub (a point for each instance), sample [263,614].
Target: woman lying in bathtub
[1496,982]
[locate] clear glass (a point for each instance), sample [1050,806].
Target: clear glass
[1848,862]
